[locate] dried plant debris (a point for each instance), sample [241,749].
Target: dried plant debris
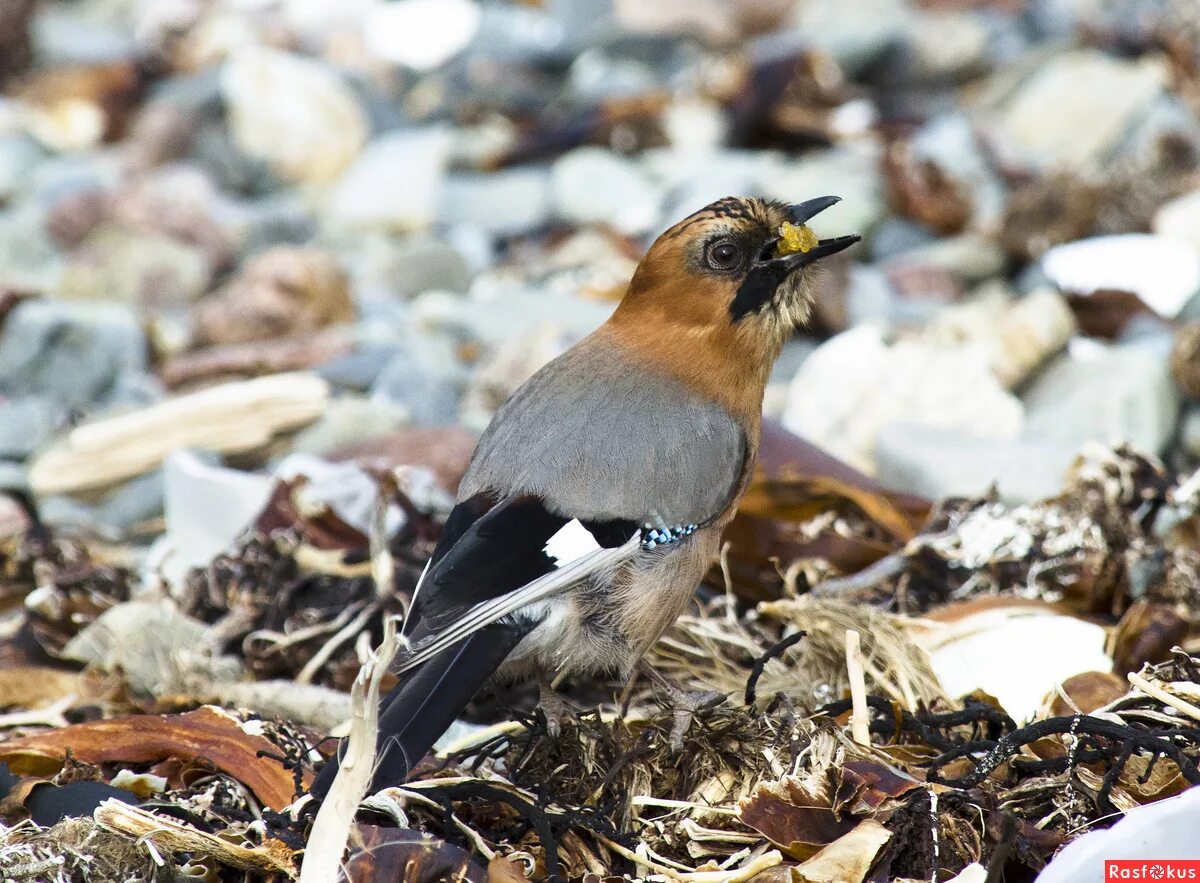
[768,755]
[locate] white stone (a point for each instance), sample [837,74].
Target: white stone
[295,113]
[591,185]
[396,184]
[855,384]
[1180,219]
[1163,271]
[421,34]
[1076,108]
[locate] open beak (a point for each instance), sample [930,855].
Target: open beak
[800,213]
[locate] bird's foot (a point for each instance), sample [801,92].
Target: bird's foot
[685,705]
[556,708]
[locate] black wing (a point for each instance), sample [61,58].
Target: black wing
[490,549]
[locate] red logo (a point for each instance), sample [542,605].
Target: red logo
[1152,869]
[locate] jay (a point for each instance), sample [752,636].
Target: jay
[595,499]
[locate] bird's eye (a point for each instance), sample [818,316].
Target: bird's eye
[724,256]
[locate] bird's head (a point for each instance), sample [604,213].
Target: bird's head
[730,267]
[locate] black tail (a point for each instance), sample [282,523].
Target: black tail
[423,705]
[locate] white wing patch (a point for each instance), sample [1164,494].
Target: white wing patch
[546,586]
[571,542]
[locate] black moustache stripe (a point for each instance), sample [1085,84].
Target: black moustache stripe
[756,291]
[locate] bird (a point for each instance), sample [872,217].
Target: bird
[596,496]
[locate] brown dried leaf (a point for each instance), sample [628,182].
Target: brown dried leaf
[381,855]
[795,483]
[323,529]
[204,734]
[1087,692]
[865,785]
[503,870]
[1146,633]
[790,816]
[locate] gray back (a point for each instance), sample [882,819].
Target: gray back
[598,439]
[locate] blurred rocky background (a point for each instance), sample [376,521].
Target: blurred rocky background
[416,203]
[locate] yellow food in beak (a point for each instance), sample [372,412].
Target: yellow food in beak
[793,238]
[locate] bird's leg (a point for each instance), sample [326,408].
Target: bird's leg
[555,707]
[686,705]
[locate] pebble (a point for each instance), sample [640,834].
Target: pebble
[396,184]
[149,271]
[405,267]
[1163,271]
[590,185]
[857,383]
[504,203]
[1180,219]
[28,259]
[420,34]
[858,34]
[1108,394]
[69,353]
[349,420]
[296,114]
[426,379]
[18,155]
[24,424]
[936,463]
[1075,110]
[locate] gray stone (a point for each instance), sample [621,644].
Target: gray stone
[1107,394]
[61,37]
[947,46]
[24,424]
[972,257]
[18,154]
[347,420]
[856,34]
[28,259]
[938,463]
[56,177]
[1189,430]
[504,203]
[122,509]
[495,318]
[213,150]
[404,267]
[72,353]
[426,379]
[360,369]
[895,236]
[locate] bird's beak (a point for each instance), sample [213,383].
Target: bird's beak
[801,213]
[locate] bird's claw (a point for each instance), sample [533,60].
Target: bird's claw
[687,706]
[556,709]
